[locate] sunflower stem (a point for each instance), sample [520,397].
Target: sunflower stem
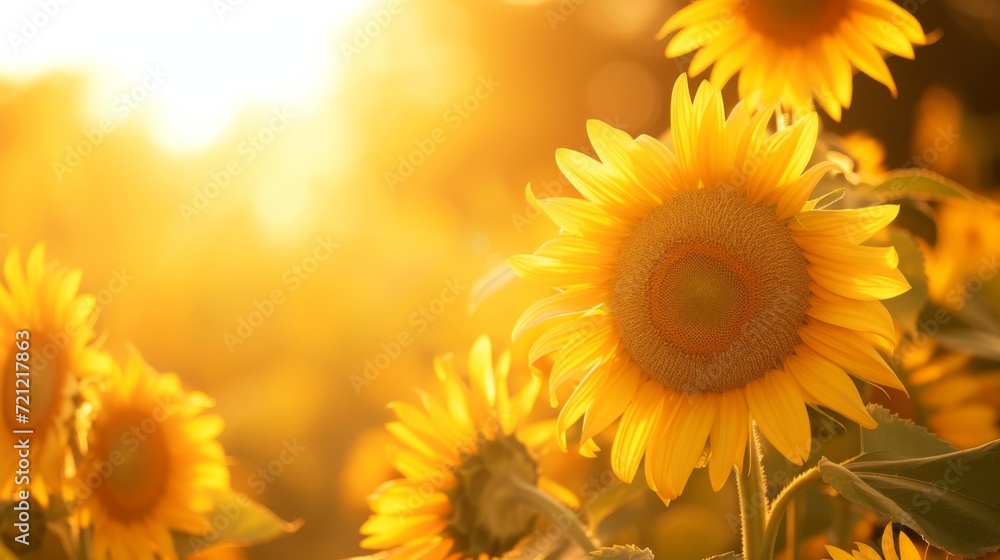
[753,502]
[548,506]
[784,499]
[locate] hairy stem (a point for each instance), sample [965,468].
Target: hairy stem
[781,503]
[753,502]
[548,506]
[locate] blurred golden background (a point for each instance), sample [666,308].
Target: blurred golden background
[289,205]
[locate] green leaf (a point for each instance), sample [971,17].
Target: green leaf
[978,343]
[236,520]
[953,500]
[727,556]
[920,184]
[900,437]
[619,552]
[906,308]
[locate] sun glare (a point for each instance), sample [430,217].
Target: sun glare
[195,63]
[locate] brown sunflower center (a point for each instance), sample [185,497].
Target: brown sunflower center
[709,292]
[133,461]
[795,21]
[701,296]
[483,519]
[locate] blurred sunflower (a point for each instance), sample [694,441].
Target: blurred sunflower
[907,550]
[151,465]
[699,288]
[42,299]
[867,155]
[957,403]
[963,256]
[463,462]
[793,50]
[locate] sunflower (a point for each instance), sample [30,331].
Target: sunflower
[958,403]
[460,459]
[907,550]
[867,156]
[793,50]
[151,466]
[40,308]
[699,289]
[963,258]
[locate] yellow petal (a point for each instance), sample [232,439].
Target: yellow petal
[728,437]
[826,384]
[683,443]
[777,405]
[635,429]
[615,394]
[855,225]
[848,350]
[574,300]
[837,554]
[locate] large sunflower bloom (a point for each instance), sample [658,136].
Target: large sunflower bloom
[794,50]
[152,464]
[907,550]
[699,289]
[41,300]
[460,459]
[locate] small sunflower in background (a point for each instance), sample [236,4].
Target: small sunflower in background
[151,466]
[42,300]
[959,404]
[963,258]
[700,289]
[793,50]
[907,550]
[472,487]
[859,152]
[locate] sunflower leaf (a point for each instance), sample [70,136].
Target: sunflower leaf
[952,500]
[978,343]
[906,308]
[900,437]
[920,184]
[236,520]
[619,552]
